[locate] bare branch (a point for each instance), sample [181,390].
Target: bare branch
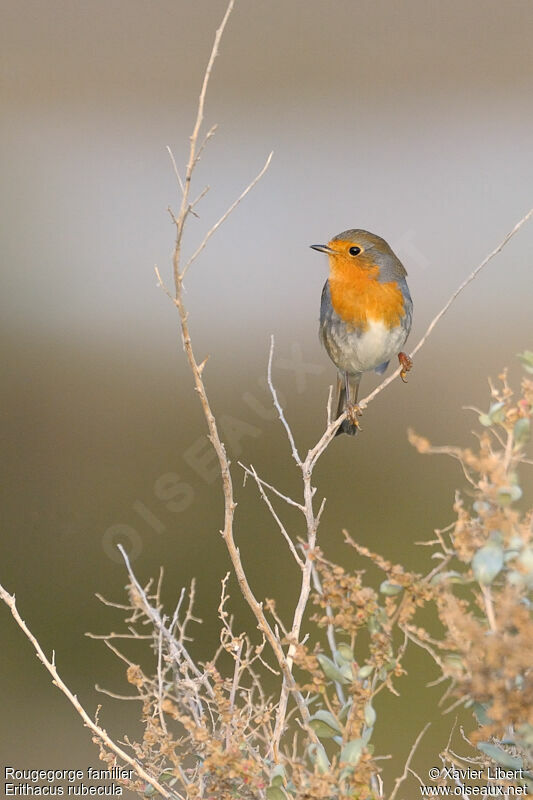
[99,732]
[276,517]
[193,153]
[176,647]
[200,196]
[489,607]
[328,406]
[225,215]
[284,497]
[160,691]
[176,170]
[366,400]
[278,407]
[116,696]
[398,782]
[305,587]
[471,277]
[209,134]
[162,284]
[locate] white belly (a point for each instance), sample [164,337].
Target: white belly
[354,351]
[378,344]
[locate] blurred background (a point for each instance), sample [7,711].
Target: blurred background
[412,120]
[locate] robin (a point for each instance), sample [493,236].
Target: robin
[365,313]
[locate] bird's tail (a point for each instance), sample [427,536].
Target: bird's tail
[342,401]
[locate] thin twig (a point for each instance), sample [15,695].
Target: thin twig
[366,400]
[234,687]
[225,215]
[329,405]
[398,782]
[284,497]
[175,616]
[281,526]
[176,647]
[489,607]
[112,635]
[206,138]
[305,586]
[278,407]
[193,152]
[160,681]
[423,645]
[116,696]
[176,170]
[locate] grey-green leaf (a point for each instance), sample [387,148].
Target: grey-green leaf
[365,671]
[275,793]
[318,756]
[452,576]
[347,673]
[345,710]
[509,494]
[496,412]
[527,360]
[487,562]
[453,660]
[370,716]
[522,430]
[277,776]
[324,724]
[499,755]
[480,710]
[330,669]
[351,752]
[390,589]
[344,653]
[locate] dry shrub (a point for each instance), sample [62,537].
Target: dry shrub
[209,726]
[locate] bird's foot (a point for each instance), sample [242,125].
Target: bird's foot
[406,365]
[352,412]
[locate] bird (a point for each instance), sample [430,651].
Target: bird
[366,313]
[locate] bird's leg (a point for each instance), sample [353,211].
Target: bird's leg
[352,412]
[352,409]
[406,364]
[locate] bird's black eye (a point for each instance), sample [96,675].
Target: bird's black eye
[354,251]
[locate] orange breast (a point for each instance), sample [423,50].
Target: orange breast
[358,297]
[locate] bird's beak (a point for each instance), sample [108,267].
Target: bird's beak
[323,248]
